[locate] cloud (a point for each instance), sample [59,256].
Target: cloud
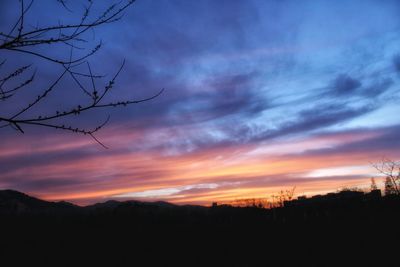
[238,131]
[28,184]
[316,118]
[396,62]
[379,87]
[157,193]
[25,161]
[218,97]
[385,144]
[343,84]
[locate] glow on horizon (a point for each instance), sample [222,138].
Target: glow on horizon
[218,175]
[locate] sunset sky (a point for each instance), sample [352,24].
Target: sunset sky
[259,96]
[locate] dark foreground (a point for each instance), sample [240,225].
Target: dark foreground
[351,232]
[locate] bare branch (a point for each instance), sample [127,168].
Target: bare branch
[391,170]
[22,39]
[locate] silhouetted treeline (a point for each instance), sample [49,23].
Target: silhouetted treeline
[343,229]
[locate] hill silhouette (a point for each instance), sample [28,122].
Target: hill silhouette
[341,229]
[14,202]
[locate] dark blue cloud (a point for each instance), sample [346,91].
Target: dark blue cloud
[386,143]
[41,159]
[345,85]
[26,184]
[396,62]
[233,95]
[317,118]
[379,87]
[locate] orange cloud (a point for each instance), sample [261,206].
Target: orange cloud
[238,171]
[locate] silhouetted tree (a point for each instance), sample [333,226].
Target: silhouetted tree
[373,184]
[260,203]
[286,195]
[391,170]
[389,187]
[282,196]
[72,40]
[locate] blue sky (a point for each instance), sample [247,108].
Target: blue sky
[248,84]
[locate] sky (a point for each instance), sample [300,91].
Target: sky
[259,96]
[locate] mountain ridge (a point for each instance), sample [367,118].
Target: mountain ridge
[13,201]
